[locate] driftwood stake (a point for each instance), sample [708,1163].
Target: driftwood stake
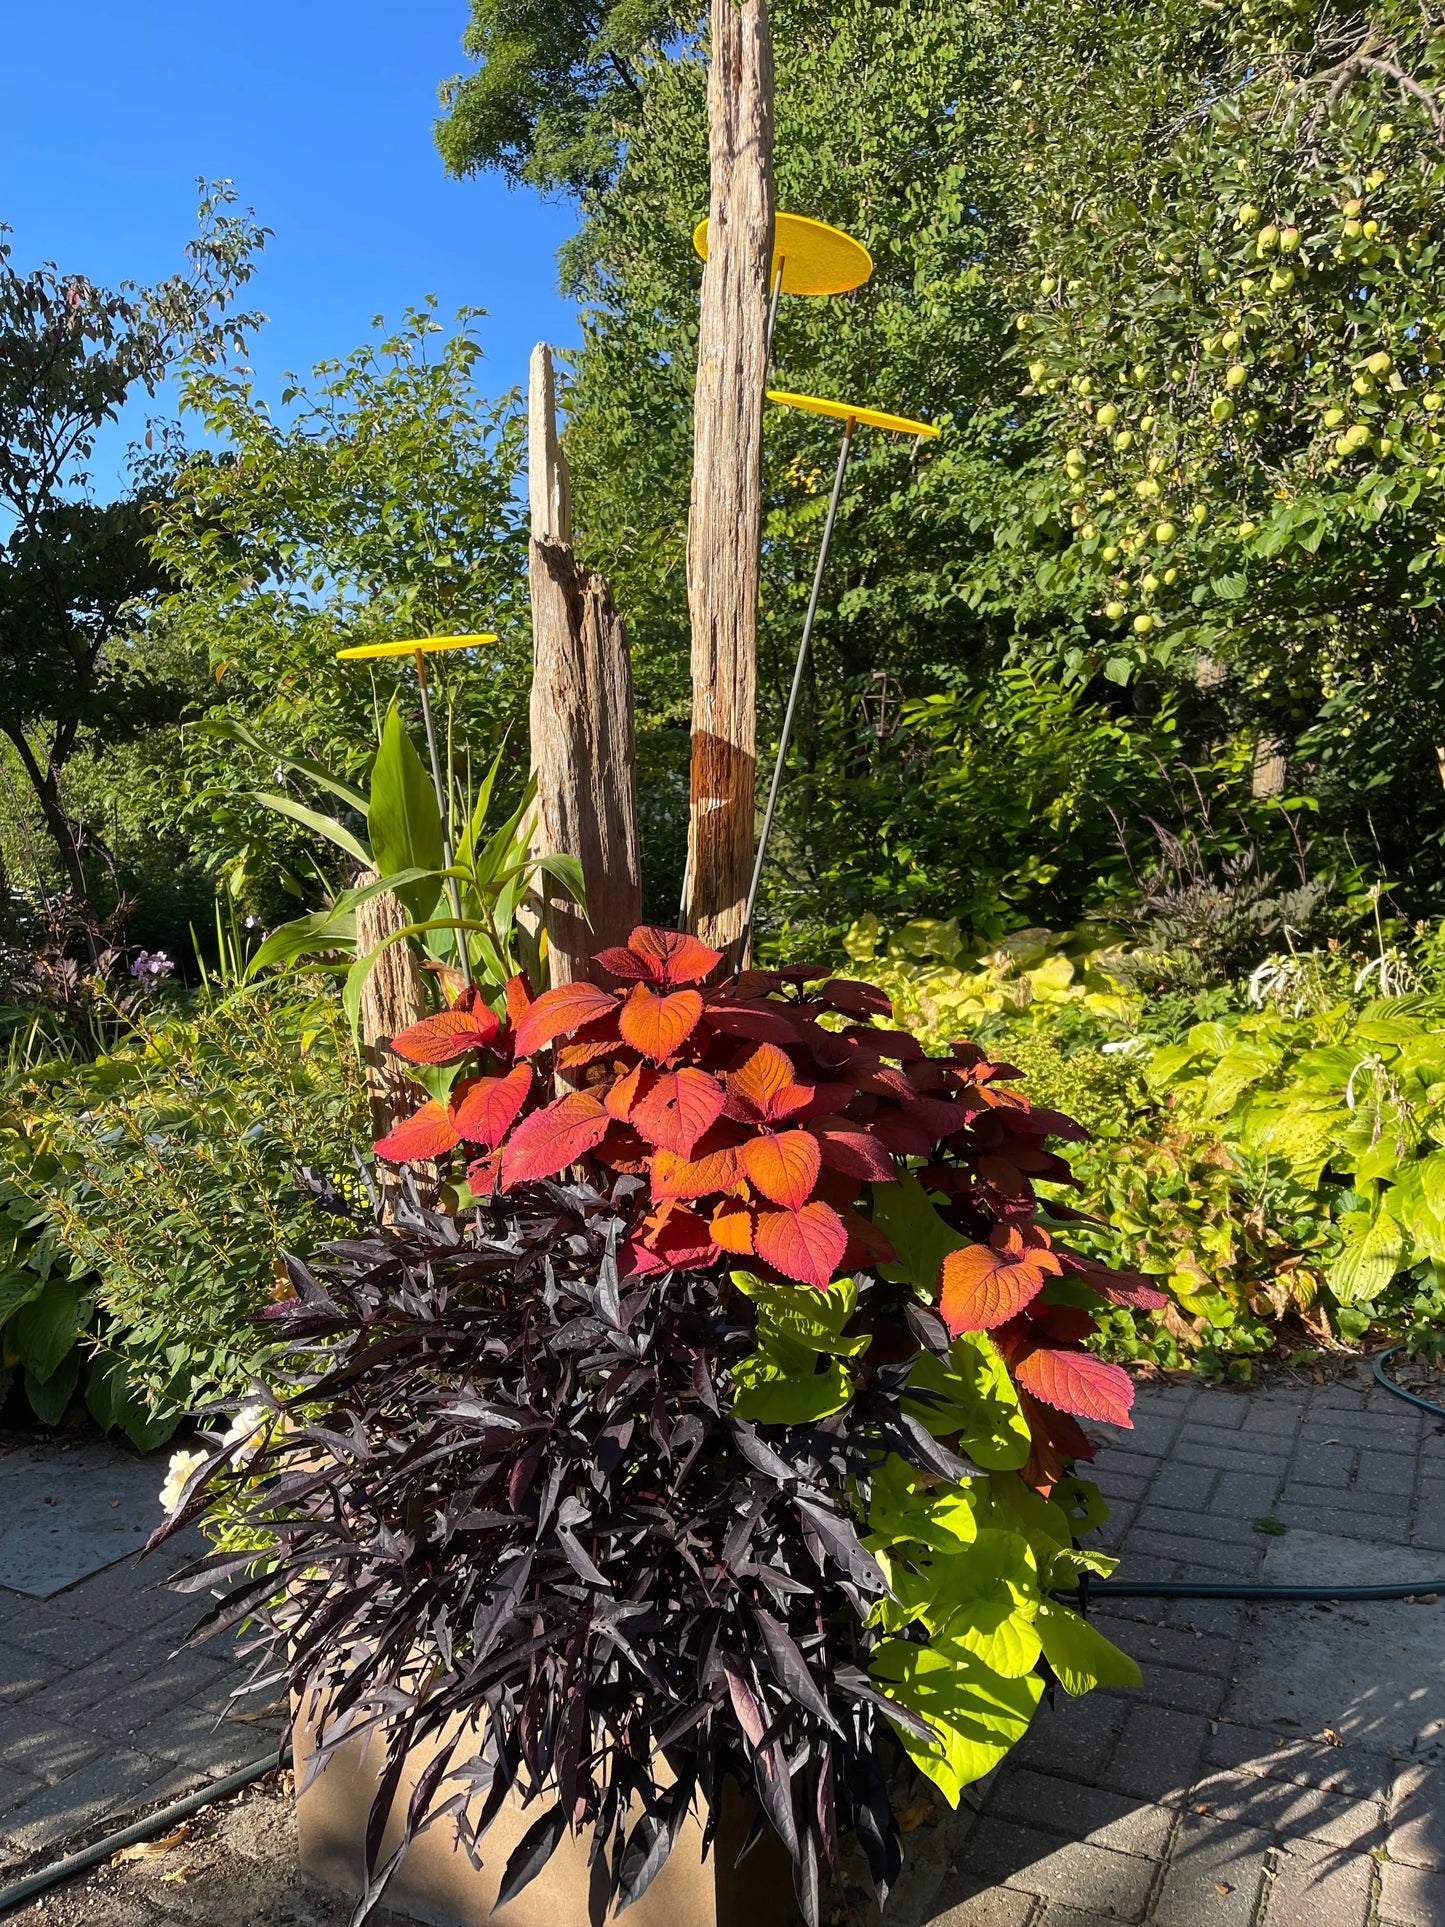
[582,746]
[391,999]
[725,523]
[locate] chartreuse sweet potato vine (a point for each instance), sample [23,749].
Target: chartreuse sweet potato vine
[737,1450]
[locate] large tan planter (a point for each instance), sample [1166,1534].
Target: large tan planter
[437,1883]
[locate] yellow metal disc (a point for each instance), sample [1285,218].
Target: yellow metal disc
[815,258]
[847,411]
[426,645]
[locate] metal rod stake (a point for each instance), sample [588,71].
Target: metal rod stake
[444,807]
[788,713]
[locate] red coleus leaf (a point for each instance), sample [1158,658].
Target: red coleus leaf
[755,1021]
[1119,1287]
[557,1013]
[488,1106]
[850,1148]
[857,1000]
[590,1043]
[551,1139]
[679,1237]
[986,1285]
[699,1176]
[656,956]
[764,1089]
[622,1095]
[679,1108]
[519,998]
[902,1133]
[783,1165]
[623,1150]
[656,1025]
[425,1134]
[447,1036]
[806,1244]
[1077,1382]
[866,1243]
[939,1117]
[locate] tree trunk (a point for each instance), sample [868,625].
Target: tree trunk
[45,782]
[581,720]
[727,481]
[390,1000]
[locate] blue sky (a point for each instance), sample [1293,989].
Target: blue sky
[322,116]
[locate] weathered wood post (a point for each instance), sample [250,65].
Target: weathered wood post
[724,527]
[391,999]
[582,742]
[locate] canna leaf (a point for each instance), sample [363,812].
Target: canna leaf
[326,826]
[403,820]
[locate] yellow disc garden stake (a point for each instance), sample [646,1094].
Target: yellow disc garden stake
[419,648]
[851,417]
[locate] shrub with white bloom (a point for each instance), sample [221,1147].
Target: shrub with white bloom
[181,1467]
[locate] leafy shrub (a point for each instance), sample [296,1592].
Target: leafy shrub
[552,1461]
[163,1172]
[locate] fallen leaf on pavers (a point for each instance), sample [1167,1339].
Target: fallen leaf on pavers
[922,1813]
[1203,1807]
[1223,1887]
[1278,1741]
[150,1849]
[1331,1737]
[177,1876]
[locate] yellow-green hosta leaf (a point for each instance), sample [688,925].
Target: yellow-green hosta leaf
[976,1715]
[1079,1652]
[1373,1253]
[1417,1201]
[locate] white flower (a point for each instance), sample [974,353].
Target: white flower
[248,1429]
[181,1467]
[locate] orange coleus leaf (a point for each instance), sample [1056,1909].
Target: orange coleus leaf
[783,1165]
[807,1244]
[425,1134]
[622,1095]
[732,1227]
[656,956]
[986,1285]
[623,1150]
[680,1107]
[850,1148]
[695,1177]
[551,1139]
[764,1088]
[1077,1382]
[447,1036]
[557,1013]
[519,998]
[659,1025]
[488,1106]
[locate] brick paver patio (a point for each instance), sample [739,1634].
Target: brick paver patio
[1283,1765]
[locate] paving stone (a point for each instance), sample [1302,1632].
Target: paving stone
[1417,1818]
[1078,1873]
[1410,1897]
[23,1672]
[1215,1406]
[1074,1736]
[1190,1523]
[1285,1807]
[1373,1523]
[139,1702]
[1355,1772]
[1238,1455]
[15,1787]
[199,1735]
[61,1630]
[1159,1753]
[974,1904]
[1203,1555]
[1182,1692]
[42,1748]
[1057,1915]
[1184,1485]
[54,1813]
[1153,1644]
[1244,1496]
[1082,1812]
[1391,1506]
[1214,1874]
[1389,1472]
[1331,1467]
[1220,1618]
[1266,1413]
[1314,1886]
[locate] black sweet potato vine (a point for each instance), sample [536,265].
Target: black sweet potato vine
[510,1486]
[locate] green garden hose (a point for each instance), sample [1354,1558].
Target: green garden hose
[1422,1589]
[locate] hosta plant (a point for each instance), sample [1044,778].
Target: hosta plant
[723,1427]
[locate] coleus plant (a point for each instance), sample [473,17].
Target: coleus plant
[722,1427]
[769,1115]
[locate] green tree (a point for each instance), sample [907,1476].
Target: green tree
[377,501]
[73,572]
